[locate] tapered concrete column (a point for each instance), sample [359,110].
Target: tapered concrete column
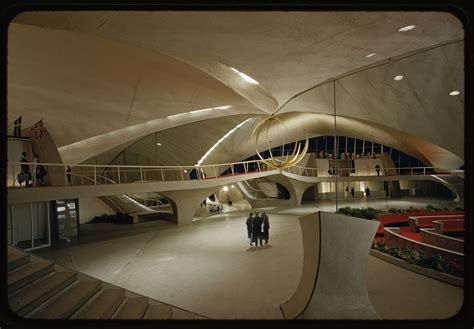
[333,283]
[185,203]
[295,187]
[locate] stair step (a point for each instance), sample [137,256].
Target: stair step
[62,306]
[23,301]
[161,312]
[21,276]
[17,258]
[133,308]
[104,305]
[178,314]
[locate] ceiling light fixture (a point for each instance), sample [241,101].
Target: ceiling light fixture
[245,76]
[177,115]
[406,28]
[248,79]
[370,55]
[159,144]
[226,188]
[225,107]
[398,77]
[200,111]
[454,93]
[230,132]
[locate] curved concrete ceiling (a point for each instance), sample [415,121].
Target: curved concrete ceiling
[287,52]
[159,64]
[182,145]
[241,144]
[418,105]
[84,86]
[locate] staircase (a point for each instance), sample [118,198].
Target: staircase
[39,289]
[250,190]
[454,183]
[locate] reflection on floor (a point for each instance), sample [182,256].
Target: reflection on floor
[210,268]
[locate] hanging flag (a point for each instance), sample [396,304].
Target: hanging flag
[17,127]
[38,129]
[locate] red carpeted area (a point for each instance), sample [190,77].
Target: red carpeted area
[405,231]
[401,220]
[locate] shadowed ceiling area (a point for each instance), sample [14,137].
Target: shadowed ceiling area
[103,80]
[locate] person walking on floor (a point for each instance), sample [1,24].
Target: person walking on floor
[367,192]
[266,228]
[257,229]
[249,227]
[352,191]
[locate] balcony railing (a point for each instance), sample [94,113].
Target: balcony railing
[121,174]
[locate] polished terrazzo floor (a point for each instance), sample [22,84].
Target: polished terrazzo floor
[210,268]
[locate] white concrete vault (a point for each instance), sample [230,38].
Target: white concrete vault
[181,145]
[124,73]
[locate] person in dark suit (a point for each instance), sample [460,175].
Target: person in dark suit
[257,229]
[25,175]
[40,173]
[249,227]
[266,228]
[352,191]
[377,169]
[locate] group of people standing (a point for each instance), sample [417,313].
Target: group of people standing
[25,176]
[258,228]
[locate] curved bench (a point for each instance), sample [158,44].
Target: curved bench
[449,225]
[417,222]
[333,283]
[429,236]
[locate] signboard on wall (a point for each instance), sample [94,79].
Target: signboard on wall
[65,220]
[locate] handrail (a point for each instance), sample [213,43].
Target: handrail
[135,166]
[147,173]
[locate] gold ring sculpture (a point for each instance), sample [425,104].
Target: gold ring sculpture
[296,156]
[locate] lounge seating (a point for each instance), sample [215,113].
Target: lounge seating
[417,222]
[449,226]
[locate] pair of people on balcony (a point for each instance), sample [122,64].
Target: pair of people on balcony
[25,175]
[258,228]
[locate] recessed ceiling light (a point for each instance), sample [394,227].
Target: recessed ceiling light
[245,77]
[370,55]
[176,115]
[222,107]
[185,171]
[159,144]
[398,77]
[226,188]
[222,139]
[454,93]
[406,28]
[248,79]
[203,110]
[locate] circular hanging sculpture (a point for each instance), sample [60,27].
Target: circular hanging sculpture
[290,159]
